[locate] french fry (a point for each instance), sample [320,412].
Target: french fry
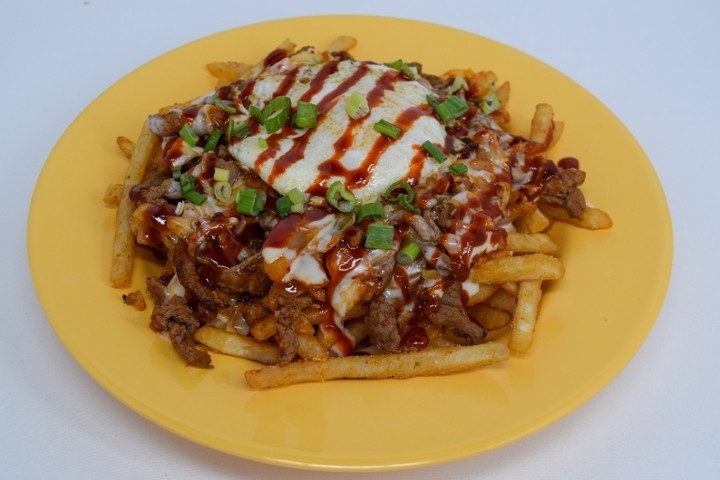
[536,222]
[264,329]
[593,218]
[490,318]
[535,266]
[503,300]
[503,93]
[124,241]
[480,293]
[126,146]
[525,317]
[433,361]
[237,345]
[309,348]
[227,72]
[531,243]
[343,43]
[542,125]
[113,192]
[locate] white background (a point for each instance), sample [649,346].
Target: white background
[655,64]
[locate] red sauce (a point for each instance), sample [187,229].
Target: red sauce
[318,81]
[285,232]
[154,223]
[415,339]
[287,82]
[274,57]
[220,246]
[569,162]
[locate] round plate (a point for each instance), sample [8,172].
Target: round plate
[591,324]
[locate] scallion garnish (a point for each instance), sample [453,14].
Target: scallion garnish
[234,130]
[296,196]
[374,209]
[222,191]
[262,143]
[357,105]
[256,113]
[305,115]
[490,103]
[177,174]
[405,203]
[283,206]
[195,197]
[380,236]
[392,196]
[225,107]
[221,174]
[275,114]
[249,202]
[403,68]
[408,253]
[458,168]
[339,197]
[213,140]
[188,134]
[388,129]
[451,107]
[434,151]
[187,184]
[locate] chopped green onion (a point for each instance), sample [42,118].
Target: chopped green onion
[187,184]
[221,174]
[256,113]
[459,83]
[374,209]
[195,197]
[490,103]
[233,130]
[283,206]
[403,68]
[357,105]
[179,208]
[298,207]
[177,174]
[188,134]
[388,129]
[305,115]
[432,101]
[408,254]
[295,196]
[380,236]
[452,107]
[275,114]
[213,140]
[458,168]
[338,196]
[262,143]
[222,191]
[249,202]
[225,107]
[409,193]
[407,204]
[434,151]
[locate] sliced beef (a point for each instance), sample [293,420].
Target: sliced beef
[187,273]
[156,289]
[425,227]
[246,277]
[562,190]
[286,317]
[152,190]
[382,324]
[451,316]
[179,321]
[164,124]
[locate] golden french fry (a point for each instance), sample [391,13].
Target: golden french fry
[227,72]
[531,243]
[135,299]
[481,83]
[536,222]
[309,348]
[490,318]
[126,146]
[113,192]
[525,317]
[433,361]
[264,329]
[503,300]
[557,133]
[237,345]
[287,46]
[343,43]
[535,266]
[593,218]
[542,125]
[479,293]
[503,93]
[124,241]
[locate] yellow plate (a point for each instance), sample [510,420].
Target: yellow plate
[591,323]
